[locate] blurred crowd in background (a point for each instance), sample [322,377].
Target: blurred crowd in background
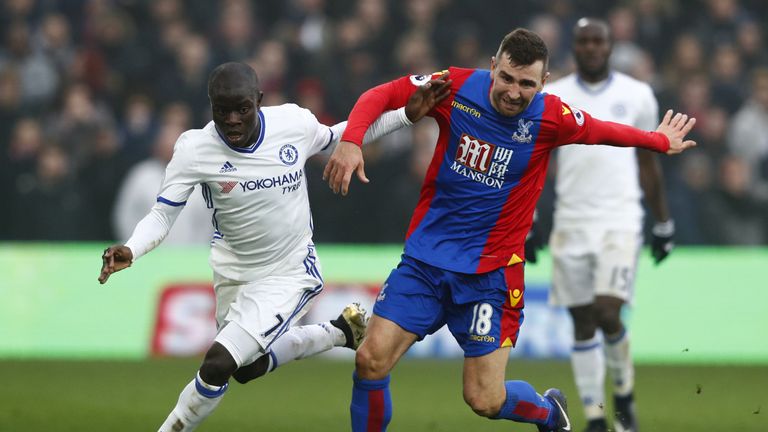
[94,93]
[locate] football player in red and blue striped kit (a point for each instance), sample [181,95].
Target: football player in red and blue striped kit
[464,252]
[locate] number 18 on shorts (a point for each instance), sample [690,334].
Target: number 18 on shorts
[483,311]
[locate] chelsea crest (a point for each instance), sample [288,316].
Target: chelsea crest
[288,154]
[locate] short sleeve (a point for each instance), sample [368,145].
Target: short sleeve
[319,136]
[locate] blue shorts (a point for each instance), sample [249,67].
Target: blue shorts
[483,311]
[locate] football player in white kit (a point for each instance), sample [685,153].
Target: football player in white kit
[250,163]
[597,227]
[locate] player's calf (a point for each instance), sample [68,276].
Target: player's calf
[252,371]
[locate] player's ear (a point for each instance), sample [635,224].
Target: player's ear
[544,79]
[258,100]
[493,63]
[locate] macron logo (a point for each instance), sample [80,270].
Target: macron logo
[227,167]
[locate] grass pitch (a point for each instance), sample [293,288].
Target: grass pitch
[313,395]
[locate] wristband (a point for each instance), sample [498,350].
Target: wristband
[664,229]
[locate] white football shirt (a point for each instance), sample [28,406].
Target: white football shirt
[599,185]
[261,216]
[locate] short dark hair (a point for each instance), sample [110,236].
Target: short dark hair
[229,75]
[524,48]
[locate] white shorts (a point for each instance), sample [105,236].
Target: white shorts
[265,309]
[592,262]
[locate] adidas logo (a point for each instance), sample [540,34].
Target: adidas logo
[228,167]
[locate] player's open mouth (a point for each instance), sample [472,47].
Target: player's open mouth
[512,105]
[234,136]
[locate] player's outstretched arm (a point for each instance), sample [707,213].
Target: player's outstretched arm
[114,259]
[675,128]
[347,158]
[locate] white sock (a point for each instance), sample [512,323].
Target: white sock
[588,366]
[193,407]
[619,363]
[305,341]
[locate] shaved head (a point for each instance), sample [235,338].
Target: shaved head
[594,24]
[233,78]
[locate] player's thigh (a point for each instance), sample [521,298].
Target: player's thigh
[617,265]
[573,265]
[267,308]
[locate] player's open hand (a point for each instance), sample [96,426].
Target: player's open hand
[346,159]
[427,96]
[676,128]
[114,259]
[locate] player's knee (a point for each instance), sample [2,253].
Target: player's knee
[369,365]
[482,404]
[584,328]
[609,319]
[584,322]
[217,366]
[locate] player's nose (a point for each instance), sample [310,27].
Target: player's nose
[232,118]
[513,91]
